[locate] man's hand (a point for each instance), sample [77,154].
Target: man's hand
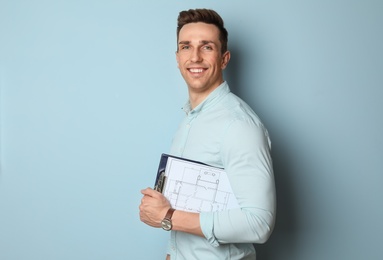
[153,207]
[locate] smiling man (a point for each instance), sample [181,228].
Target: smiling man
[200,59]
[220,130]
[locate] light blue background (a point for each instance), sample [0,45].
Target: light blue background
[91,96]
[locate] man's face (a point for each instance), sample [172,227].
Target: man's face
[199,57]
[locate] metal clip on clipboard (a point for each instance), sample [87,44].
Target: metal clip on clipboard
[160,182]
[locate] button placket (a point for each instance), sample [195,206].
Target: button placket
[187,127]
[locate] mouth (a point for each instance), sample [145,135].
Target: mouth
[196,71]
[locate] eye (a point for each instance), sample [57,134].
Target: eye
[185,47]
[207,47]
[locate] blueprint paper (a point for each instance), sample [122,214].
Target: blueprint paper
[195,187]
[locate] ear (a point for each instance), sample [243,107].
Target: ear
[225,60]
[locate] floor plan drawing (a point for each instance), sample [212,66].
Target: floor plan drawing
[197,187]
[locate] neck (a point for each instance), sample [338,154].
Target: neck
[196,98]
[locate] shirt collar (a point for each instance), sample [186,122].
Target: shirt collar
[210,100]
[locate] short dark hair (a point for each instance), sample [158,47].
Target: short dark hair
[206,16]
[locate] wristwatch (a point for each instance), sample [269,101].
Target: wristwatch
[166,223]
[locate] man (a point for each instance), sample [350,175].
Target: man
[221,130]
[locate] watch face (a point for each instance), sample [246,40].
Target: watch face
[166,224]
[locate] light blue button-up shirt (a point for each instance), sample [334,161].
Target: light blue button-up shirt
[224,131]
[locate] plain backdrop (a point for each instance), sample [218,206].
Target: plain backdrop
[91,95]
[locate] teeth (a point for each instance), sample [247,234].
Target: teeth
[196,70]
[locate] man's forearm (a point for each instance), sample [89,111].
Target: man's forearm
[187,222]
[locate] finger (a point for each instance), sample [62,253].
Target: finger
[150,192]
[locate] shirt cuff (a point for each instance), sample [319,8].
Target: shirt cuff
[207,226]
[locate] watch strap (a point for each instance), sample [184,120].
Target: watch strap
[169,214]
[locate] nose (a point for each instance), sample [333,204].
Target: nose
[195,55]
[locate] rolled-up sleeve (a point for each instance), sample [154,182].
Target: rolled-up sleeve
[245,154]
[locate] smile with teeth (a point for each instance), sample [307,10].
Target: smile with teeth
[196,70]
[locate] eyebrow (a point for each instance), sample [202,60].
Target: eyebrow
[203,42]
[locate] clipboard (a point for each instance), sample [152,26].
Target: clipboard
[194,186]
